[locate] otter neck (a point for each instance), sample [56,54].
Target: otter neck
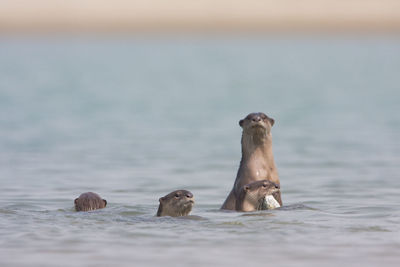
[257,156]
[257,144]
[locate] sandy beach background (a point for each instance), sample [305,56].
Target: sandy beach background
[199,15]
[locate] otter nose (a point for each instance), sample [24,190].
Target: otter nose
[256,118]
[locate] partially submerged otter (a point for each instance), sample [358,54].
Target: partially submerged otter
[252,196]
[176,203]
[89,201]
[257,161]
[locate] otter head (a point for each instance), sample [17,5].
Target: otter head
[257,123]
[256,131]
[89,201]
[176,203]
[252,195]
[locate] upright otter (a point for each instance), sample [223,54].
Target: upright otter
[257,161]
[89,201]
[252,196]
[176,203]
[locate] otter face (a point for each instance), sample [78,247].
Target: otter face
[261,188]
[252,195]
[257,122]
[176,203]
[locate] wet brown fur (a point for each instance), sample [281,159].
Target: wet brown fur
[89,201]
[176,203]
[251,196]
[257,161]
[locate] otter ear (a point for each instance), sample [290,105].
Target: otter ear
[272,121]
[76,201]
[161,199]
[105,202]
[241,123]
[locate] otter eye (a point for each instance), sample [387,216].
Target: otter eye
[264,185]
[177,195]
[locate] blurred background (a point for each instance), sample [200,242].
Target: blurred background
[134,99]
[204,15]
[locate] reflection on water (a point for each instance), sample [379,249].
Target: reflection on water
[135,119]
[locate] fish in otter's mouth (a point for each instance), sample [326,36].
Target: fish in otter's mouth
[270,203]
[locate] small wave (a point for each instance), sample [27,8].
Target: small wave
[192,217]
[24,206]
[130,213]
[368,229]
[233,223]
[297,206]
[260,214]
[6,211]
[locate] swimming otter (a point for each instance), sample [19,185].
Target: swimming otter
[252,196]
[257,161]
[177,203]
[89,201]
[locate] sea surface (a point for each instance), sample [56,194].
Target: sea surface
[136,118]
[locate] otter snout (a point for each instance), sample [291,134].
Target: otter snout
[256,118]
[189,197]
[191,200]
[275,187]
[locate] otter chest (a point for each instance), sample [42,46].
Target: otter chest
[260,173]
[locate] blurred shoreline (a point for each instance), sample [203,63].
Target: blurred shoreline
[218,16]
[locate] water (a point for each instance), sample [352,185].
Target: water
[134,119]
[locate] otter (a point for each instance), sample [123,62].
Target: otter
[257,161]
[252,196]
[176,203]
[89,201]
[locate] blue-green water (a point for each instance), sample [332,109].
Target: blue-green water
[133,119]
